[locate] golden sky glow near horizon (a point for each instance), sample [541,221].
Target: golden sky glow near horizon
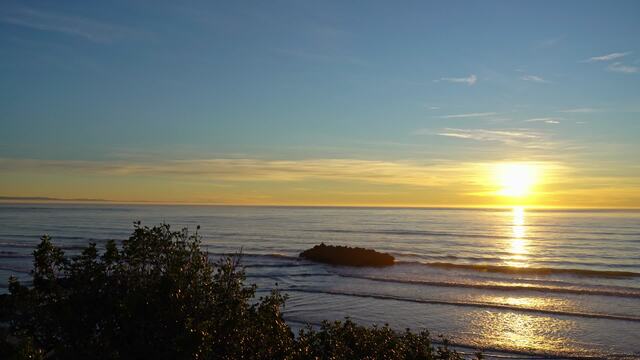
[319,182]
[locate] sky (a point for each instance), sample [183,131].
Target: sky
[381,103]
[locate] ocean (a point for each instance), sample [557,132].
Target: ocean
[512,282]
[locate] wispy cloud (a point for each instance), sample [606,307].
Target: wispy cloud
[520,137]
[608,57]
[547,120]
[617,66]
[86,28]
[621,68]
[504,136]
[470,80]
[469,115]
[533,78]
[579,110]
[252,170]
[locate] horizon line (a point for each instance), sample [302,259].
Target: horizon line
[7,200]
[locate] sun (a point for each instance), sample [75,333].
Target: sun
[515,179]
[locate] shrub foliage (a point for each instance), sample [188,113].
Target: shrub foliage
[158,296]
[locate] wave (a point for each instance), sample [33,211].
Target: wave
[259,255]
[478,267]
[623,293]
[269,265]
[496,258]
[547,289]
[276,276]
[34,246]
[446,234]
[504,269]
[15,269]
[471,304]
[56,241]
[14,255]
[526,270]
[411,232]
[19,245]
[435,264]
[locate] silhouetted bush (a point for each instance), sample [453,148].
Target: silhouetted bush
[345,255]
[159,296]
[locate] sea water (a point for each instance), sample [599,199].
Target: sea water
[511,282]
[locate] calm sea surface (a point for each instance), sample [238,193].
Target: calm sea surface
[575,290]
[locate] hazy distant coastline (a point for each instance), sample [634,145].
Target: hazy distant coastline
[48,199]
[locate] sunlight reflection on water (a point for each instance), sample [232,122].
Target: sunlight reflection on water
[530,302]
[517,247]
[517,330]
[523,332]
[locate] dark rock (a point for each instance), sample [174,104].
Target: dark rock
[344,255]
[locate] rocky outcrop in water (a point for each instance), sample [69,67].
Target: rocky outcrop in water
[344,255]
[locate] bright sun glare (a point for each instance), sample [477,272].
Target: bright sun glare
[516,180]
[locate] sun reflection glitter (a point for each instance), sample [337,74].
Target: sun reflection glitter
[524,332]
[518,243]
[529,302]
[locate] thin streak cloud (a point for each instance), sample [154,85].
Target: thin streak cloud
[607,57]
[252,170]
[547,120]
[621,68]
[468,115]
[533,78]
[579,110]
[510,136]
[86,28]
[470,80]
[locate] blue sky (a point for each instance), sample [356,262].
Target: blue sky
[135,83]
